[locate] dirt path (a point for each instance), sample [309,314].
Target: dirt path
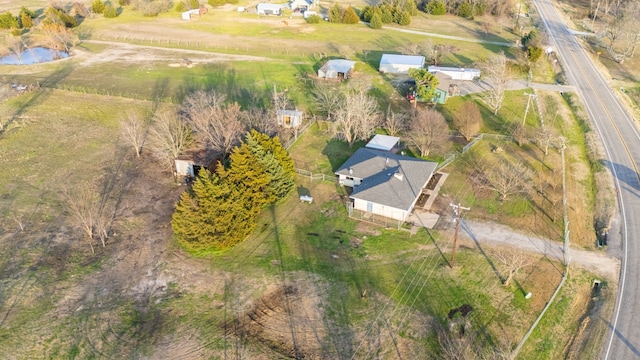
[120,51]
[485,233]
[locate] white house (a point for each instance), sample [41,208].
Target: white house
[400,64]
[383,183]
[289,118]
[300,6]
[336,69]
[269,9]
[455,73]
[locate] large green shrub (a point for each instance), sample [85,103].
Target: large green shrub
[350,16]
[314,19]
[436,7]
[8,21]
[97,7]
[376,22]
[464,10]
[110,11]
[336,14]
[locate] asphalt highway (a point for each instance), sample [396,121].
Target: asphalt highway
[621,142]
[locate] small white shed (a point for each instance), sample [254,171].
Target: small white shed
[336,69]
[187,14]
[289,118]
[269,9]
[400,64]
[455,73]
[184,167]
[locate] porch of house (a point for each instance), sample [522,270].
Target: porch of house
[421,216]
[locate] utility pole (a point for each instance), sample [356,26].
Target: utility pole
[567,245]
[527,109]
[457,212]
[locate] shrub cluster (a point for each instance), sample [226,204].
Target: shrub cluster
[386,13]
[341,15]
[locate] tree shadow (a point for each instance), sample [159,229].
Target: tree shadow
[621,337]
[40,95]
[338,151]
[624,174]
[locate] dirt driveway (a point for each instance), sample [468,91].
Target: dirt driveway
[478,234]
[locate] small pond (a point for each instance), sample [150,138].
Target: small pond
[33,56]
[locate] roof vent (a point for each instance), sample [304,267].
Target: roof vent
[350,171]
[398,176]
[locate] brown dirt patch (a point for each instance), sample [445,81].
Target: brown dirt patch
[287,319]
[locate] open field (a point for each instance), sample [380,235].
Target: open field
[309,282]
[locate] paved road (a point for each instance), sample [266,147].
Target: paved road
[622,145]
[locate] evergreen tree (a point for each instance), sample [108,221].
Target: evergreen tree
[464,10]
[8,21]
[436,7]
[336,14]
[350,16]
[249,176]
[376,22]
[110,11]
[386,13]
[277,162]
[211,215]
[402,17]
[97,7]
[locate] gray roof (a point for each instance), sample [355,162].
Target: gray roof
[377,170]
[289,112]
[339,65]
[402,59]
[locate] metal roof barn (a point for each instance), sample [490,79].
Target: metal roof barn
[400,64]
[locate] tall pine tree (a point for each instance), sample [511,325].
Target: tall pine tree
[277,162]
[211,216]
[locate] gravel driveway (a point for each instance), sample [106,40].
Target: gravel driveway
[492,234]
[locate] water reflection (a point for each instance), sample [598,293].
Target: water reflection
[33,56]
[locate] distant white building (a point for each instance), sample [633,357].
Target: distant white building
[400,64]
[269,9]
[188,14]
[456,73]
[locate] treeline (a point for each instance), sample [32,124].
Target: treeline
[467,8]
[221,208]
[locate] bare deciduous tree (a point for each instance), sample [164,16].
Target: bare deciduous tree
[134,130]
[496,71]
[170,137]
[327,99]
[543,139]
[81,205]
[395,123]
[261,120]
[58,37]
[512,261]
[428,131]
[356,118]
[507,178]
[16,45]
[468,119]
